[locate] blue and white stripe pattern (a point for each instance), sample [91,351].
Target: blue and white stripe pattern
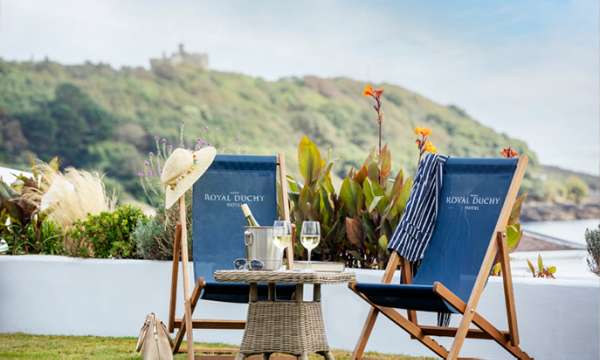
[412,235]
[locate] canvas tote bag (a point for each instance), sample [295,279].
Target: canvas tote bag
[154,341]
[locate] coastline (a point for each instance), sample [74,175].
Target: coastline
[560,211]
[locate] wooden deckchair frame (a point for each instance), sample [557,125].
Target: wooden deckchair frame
[497,249]
[190,306]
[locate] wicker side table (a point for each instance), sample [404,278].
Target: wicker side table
[293,327]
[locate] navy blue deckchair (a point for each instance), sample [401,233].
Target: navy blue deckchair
[475,203]
[218,231]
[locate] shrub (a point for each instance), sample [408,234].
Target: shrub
[33,238]
[577,189]
[592,239]
[554,190]
[105,235]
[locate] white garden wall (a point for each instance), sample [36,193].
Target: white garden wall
[559,319]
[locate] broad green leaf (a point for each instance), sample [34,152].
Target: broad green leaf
[373,171]
[305,202]
[397,187]
[293,185]
[540,263]
[383,242]
[513,236]
[351,196]
[325,208]
[531,267]
[368,191]
[515,213]
[401,200]
[309,160]
[497,269]
[374,202]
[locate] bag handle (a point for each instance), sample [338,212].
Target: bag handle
[143,331]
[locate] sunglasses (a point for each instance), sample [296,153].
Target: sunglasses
[244,264]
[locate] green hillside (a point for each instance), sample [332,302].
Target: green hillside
[95,116]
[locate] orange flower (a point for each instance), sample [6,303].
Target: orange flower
[378,92]
[368,90]
[429,147]
[423,131]
[509,152]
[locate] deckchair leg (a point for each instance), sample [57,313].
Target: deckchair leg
[509,297]
[193,302]
[479,321]
[174,277]
[359,349]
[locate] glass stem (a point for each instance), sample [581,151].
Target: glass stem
[309,257]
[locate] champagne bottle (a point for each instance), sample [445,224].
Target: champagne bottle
[250,220]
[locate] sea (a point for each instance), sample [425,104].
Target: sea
[570,230]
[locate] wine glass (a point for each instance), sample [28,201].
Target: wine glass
[310,236]
[282,234]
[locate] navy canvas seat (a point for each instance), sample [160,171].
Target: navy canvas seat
[405,296]
[218,223]
[474,205]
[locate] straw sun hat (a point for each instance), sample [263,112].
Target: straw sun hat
[182,169]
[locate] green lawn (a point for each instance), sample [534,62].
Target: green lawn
[40,347]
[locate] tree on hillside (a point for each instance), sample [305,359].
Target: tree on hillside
[577,189]
[67,126]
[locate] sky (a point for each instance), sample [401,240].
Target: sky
[526,68]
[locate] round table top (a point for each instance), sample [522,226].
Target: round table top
[290,277]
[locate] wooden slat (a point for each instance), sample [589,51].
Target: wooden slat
[451,332]
[214,324]
[488,260]
[174,276]
[509,298]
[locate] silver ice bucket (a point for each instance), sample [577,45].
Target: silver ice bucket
[260,246]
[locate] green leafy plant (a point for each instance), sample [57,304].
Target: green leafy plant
[105,235]
[357,222]
[541,271]
[25,228]
[372,202]
[314,198]
[592,240]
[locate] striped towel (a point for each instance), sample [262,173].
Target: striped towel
[412,235]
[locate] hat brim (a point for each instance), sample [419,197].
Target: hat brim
[204,158]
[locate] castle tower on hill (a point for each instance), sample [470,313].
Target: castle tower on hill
[199,60]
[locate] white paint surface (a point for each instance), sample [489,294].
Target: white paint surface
[558,319]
